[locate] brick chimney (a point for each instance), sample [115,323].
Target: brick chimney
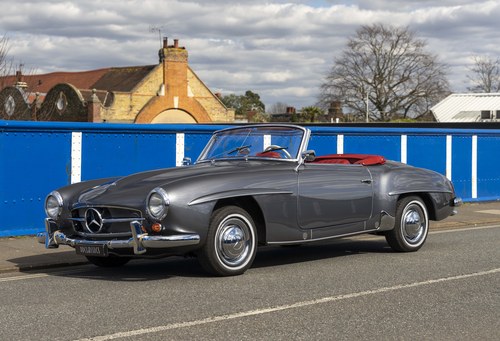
[20,83]
[335,110]
[175,68]
[175,92]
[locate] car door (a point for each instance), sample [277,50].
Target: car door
[332,195]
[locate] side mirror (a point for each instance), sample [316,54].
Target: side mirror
[186,161]
[309,155]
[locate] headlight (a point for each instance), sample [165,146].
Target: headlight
[157,204]
[53,205]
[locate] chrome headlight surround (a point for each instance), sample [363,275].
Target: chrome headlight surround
[157,204]
[53,205]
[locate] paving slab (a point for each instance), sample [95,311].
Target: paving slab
[25,253]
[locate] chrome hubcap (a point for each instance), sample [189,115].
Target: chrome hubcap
[414,224]
[234,241]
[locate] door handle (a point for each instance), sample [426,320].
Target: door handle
[366,181]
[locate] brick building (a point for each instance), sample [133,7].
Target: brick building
[169,92]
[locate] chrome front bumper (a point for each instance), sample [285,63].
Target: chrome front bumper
[140,241]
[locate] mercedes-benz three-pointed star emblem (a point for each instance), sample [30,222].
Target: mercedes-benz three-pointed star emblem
[93,220]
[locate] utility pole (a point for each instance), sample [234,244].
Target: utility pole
[367,119]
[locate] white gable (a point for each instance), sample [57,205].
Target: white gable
[467,107]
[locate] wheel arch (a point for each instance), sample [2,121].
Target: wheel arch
[427,200]
[249,204]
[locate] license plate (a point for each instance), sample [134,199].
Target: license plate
[92,250]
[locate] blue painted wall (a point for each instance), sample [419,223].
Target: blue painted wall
[35,157]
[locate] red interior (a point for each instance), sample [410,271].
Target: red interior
[272,154]
[360,159]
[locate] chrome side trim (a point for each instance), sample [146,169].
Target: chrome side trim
[238,193]
[422,190]
[140,242]
[303,241]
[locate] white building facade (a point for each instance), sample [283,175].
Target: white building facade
[469,107]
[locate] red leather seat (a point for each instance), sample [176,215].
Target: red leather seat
[360,159]
[275,155]
[371,160]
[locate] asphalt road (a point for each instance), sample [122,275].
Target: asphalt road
[342,290]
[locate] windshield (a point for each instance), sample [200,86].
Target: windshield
[268,142]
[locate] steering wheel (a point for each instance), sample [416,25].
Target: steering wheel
[276,148]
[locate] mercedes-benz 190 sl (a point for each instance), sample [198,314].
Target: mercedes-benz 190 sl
[252,185]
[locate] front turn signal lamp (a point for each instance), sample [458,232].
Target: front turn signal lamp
[156,227]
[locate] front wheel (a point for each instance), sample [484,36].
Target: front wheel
[231,242]
[412,225]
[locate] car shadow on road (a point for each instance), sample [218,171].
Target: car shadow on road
[141,270]
[275,256]
[137,270]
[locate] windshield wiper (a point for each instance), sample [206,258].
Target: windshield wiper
[238,149]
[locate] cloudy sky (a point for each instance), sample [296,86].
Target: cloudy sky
[281,49]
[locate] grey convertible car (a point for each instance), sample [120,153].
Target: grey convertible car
[252,185]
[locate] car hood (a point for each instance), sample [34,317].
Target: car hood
[132,190]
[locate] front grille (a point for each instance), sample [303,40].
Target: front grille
[104,222]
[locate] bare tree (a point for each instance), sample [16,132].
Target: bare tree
[4,49]
[5,62]
[385,73]
[24,100]
[7,65]
[278,108]
[485,74]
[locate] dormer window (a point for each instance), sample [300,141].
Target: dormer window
[10,106]
[61,103]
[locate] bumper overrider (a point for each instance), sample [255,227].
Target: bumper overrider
[140,242]
[457,202]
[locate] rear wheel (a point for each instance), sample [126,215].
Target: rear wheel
[412,225]
[231,242]
[108,262]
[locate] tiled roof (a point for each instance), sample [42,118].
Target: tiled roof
[465,107]
[44,82]
[109,79]
[122,78]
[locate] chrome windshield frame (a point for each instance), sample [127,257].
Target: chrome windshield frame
[306,133]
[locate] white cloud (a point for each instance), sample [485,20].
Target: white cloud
[280,49]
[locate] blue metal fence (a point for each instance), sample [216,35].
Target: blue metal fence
[37,157]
